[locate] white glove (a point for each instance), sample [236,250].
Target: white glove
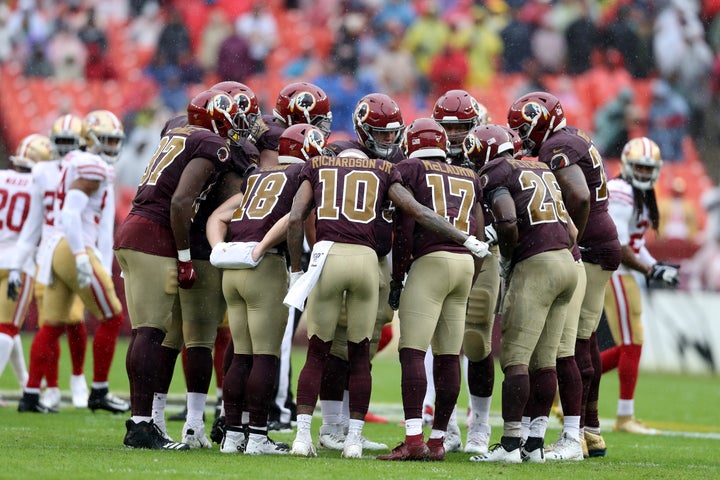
[668,274]
[491,235]
[84,270]
[294,277]
[476,247]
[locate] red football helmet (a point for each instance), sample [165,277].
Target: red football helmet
[247,104]
[379,124]
[302,102]
[486,142]
[516,141]
[536,116]
[458,112]
[216,111]
[423,138]
[300,141]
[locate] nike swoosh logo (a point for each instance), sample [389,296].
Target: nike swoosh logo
[557,150]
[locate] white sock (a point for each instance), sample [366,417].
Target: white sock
[430,392]
[158,409]
[480,408]
[413,426]
[140,418]
[99,385]
[196,407]
[436,434]
[524,428]
[355,427]
[345,410]
[626,408]
[245,417]
[453,417]
[538,427]
[218,392]
[6,348]
[331,412]
[571,426]
[17,362]
[304,422]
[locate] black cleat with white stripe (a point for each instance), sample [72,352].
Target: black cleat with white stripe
[147,435]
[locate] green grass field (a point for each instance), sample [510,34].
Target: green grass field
[77,444]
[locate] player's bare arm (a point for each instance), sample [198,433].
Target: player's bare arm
[630,260]
[575,195]
[181,206]
[217,224]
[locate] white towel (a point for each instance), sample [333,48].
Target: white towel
[234,255]
[296,296]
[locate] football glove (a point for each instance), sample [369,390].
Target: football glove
[395,292]
[505,267]
[257,130]
[665,273]
[186,274]
[14,284]
[84,270]
[491,235]
[476,247]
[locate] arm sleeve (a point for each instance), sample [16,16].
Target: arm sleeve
[71,221]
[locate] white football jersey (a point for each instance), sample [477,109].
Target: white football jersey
[15,199]
[631,228]
[78,164]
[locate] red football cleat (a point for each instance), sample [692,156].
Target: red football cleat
[405,452]
[436,446]
[372,418]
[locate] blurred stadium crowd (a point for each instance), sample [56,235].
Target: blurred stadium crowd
[621,68]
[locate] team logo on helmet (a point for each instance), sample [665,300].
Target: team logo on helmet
[221,103]
[362,111]
[469,143]
[532,110]
[314,138]
[475,105]
[243,102]
[303,101]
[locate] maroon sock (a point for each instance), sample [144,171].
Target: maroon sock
[222,340]
[77,342]
[359,378]
[515,394]
[583,358]
[310,377]
[145,358]
[543,383]
[569,386]
[259,388]
[228,356]
[481,377]
[236,378]
[333,387]
[413,382]
[590,417]
[104,346]
[128,364]
[166,368]
[199,369]
[446,372]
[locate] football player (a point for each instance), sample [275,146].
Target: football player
[257,319]
[66,136]
[634,208]
[458,112]
[378,124]
[77,259]
[153,246]
[432,305]
[535,235]
[17,279]
[344,267]
[539,119]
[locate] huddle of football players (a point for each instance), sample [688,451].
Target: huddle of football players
[448,221]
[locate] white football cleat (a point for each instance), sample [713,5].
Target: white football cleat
[303,447]
[498,454]
[265,447]
[453,440]
[565,448]
[233,442]
[194,436]
[478,437]
[79,391]
[353,446]
[50,398]
[330,438]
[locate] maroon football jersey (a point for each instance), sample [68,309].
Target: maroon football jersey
[450,191]
[349,196]
[383,226]
[176,149]
[175,122]
[268,197]
[270,140]
[568,146]
[541,214]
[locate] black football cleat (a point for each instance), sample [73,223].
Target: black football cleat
[147,435]
[101,399]
[30,402]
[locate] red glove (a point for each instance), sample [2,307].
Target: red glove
[186,274]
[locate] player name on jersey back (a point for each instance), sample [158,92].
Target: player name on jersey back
[348,162]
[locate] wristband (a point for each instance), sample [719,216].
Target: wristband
[184,255]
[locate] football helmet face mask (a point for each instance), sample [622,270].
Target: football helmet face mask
[302,102]
[640,163]
[31,150]
[249,109]
[458,112]
[486,142]
[103,134]
[216,111]
[301,142]
[535,116]
[425,138]
[66,134]
[379,124]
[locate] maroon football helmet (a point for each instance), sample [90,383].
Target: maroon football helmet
[535,116]
[300,141]
[516,141]
[216,111]
[247,104]
[458,112]
[423,138]
[302,102]
[486,142]
[378,124]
